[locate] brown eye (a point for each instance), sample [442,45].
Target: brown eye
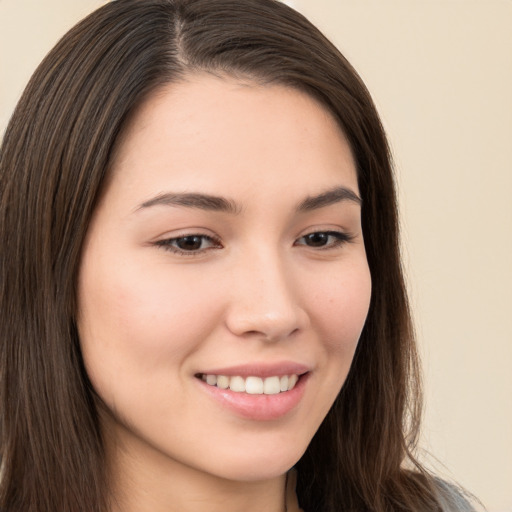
[189,243]
[316,239]
[324,239]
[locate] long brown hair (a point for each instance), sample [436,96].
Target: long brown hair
[53,164]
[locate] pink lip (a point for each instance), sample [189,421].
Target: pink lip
[257,407]
[260,370]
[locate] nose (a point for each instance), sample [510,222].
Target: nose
[265,300]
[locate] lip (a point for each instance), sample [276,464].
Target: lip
[260,370]
[257,407]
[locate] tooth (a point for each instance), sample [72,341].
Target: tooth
[211,379]
[237,384]
[254,385]
[271,386]
[222,382]
[292,381]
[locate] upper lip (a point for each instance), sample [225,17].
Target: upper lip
[260,370]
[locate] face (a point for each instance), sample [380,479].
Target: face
[224,283]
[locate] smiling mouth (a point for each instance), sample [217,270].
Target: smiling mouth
[252,385]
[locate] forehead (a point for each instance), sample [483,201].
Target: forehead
[214,131]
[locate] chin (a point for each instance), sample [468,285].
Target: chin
[256,464]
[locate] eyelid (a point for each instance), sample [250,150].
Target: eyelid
[338,236]
[341,238]
[167,244]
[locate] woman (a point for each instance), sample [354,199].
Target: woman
[201,284]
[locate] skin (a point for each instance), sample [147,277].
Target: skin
[150,319]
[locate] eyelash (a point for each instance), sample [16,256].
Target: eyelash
[169,244]
[340,238]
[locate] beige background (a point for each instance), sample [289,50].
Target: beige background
[441,75]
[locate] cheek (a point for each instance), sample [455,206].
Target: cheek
[342,302]
[133,323]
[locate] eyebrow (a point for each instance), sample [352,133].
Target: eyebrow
[327,198]
[193,200]
[221,204]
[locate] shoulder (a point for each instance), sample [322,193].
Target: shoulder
[453,498]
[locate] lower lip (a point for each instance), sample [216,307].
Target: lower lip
[258,407]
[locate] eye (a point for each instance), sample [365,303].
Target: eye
[192,244]
[324,239]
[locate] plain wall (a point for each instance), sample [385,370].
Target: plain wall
[440,72]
